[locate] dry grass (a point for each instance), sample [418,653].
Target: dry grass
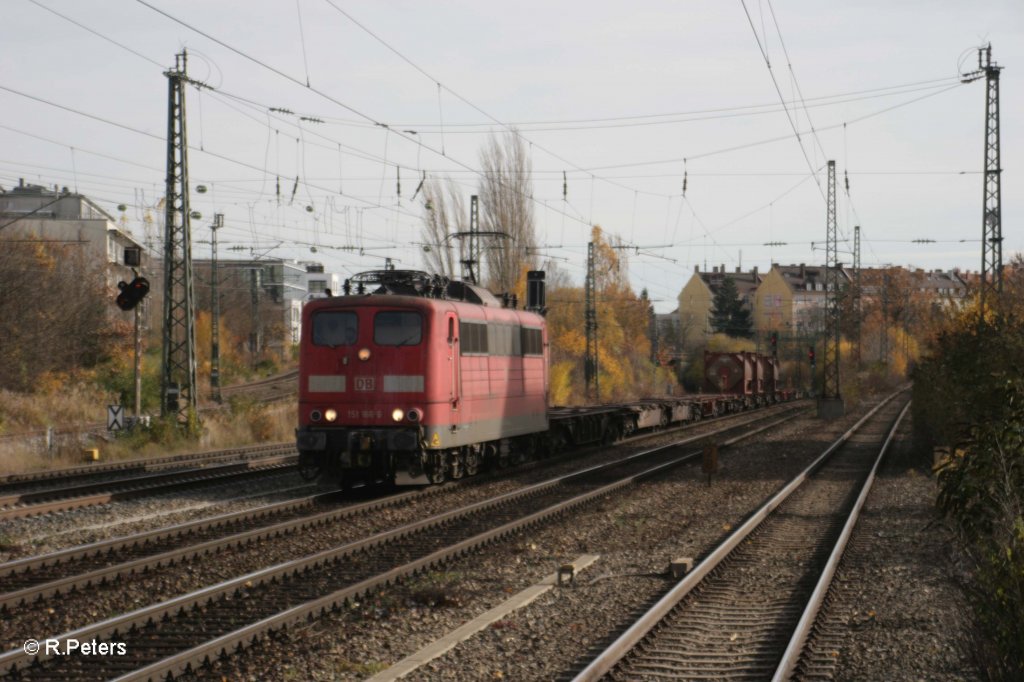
[22,458]
[71,404]
[243,424]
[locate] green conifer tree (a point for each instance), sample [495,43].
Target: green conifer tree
[728,316]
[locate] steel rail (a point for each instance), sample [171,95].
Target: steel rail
[18,660]
[791,657]
[77,552]
[186,459]
[211,546]
[130,489]
[628,640]
[255,386]
[98,576]
[246,635]
[45,588]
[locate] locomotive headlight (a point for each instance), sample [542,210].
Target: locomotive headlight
[364,354]
[398,414]
[330,414]
[413,415]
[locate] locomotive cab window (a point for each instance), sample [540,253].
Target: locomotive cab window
[397,328]
[334,328]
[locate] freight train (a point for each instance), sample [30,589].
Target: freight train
[410,378]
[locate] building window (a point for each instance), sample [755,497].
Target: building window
[317,286]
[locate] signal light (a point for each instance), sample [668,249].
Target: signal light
[775,341]
[810,355]
[132,293]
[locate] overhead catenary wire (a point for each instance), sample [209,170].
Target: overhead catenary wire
[770,140]
[466,101]
[138,131]
[306,177]
[782,98]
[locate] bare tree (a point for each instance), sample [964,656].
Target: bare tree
[56,313]
[444,214]
[507,207]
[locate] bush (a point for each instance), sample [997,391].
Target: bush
[969,395]
[982,497]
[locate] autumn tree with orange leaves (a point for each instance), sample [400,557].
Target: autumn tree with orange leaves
[624,348]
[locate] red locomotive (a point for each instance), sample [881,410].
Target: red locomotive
[412,378]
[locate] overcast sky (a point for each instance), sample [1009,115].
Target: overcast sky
[623,98]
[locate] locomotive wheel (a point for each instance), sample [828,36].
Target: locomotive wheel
[472,461]
[309,469]
[436,469]
[456,466]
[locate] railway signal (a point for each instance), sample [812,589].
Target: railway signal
[775,343]
[810,355]
[132,293]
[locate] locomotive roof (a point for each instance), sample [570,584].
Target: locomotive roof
[421,284]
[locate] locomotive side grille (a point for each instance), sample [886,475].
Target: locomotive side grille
[394,383]
[326,383]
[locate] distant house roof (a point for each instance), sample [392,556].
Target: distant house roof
[932,282]
[746,282]
[806,277]
[941,282]
[56,203]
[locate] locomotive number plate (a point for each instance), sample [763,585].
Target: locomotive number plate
[365,383]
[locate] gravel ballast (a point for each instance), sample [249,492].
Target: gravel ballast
[635,533]
[906,621]
[895,611]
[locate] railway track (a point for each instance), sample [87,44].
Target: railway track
[76,494]
[26,581]
[281,386]
[26,481]
[236,611]
[745,611]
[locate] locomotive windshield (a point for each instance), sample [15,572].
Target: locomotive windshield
[397,328]
[333,328]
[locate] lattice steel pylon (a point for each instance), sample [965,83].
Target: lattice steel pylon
[830,361]
[992,230]
[858,299]
[590,364]
[178,377]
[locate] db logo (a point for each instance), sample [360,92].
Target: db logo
[364,383]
